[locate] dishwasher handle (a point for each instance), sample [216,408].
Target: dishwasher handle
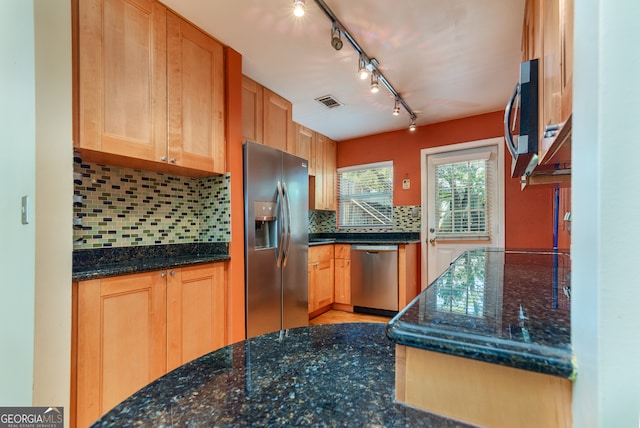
[374,248]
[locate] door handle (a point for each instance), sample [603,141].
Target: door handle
[282,227]
[432,241]
[285,193]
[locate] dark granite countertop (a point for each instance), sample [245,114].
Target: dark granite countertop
[383,238]
[505,307]
[334,375]
[105,262]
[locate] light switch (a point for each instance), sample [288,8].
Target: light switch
[25,209]
[406,184]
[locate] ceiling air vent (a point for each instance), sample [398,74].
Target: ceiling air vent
[329,101]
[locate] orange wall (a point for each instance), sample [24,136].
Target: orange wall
[528,213]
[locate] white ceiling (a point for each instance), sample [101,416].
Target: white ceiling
[447,58]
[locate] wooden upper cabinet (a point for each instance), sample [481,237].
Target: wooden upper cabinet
[121,77]
[196,97]
[252,110]
[303,143]
[149,89]
[548,36]
[330,150]
[278,122]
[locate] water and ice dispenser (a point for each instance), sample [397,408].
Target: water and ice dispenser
[265,224]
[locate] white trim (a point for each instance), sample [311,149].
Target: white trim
[424,153]
[384,164]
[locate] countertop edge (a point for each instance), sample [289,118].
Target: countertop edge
[148,265]
[557,363]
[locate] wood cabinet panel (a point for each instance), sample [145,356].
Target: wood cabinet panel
[121,61]
[252,110]
[121,342]
[278,124]
[196,98]
[321,277]
[408,274]
[303,143]
[196,312]
[324,155]
[343,281]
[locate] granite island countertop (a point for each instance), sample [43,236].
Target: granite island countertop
[506,307]
[105,262]
[326,375]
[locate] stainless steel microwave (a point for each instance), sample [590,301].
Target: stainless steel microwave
[521,121]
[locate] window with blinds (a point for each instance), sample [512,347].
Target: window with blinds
[365,195]
[462,199]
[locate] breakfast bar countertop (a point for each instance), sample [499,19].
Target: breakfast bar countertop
[323,375]
[508,307]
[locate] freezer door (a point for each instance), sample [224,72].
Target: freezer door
[262,172]
[295,177]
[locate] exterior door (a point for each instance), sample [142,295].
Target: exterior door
[462,202]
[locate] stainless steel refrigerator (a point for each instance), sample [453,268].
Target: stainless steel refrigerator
[276,201]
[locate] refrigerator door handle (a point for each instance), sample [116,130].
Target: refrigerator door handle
[288,222]
[282,228]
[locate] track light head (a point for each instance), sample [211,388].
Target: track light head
[396,108]
[336,39]
[374,82]
[298,7]
[362,68]
[412,125]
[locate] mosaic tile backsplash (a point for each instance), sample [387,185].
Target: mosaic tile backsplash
[405,219]
[120,207]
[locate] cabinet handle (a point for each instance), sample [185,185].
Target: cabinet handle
[163,158]
[163,275]
[173,272]
[173,160]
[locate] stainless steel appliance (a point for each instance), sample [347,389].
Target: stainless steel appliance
[522,113]
[374,279]
[276,201]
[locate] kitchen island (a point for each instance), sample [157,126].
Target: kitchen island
[488,342]
[326,375]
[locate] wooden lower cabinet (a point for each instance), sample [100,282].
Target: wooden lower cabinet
[321,279]
[131,329]
[408,273]
[342,284]
[196,312]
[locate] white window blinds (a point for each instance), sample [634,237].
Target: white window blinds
[365,195]
[462,198]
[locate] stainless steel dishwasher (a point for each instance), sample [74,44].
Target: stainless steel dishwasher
[374,279]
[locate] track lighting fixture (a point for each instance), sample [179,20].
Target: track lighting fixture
[336,39]
[298,7]
[412,125]
[366,64]
[362,68]
[374,83]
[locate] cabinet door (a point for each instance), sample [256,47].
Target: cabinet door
[121,78]
[324,284]
[195,83]
[329,174]
[122,342]
[252,110]
[196,312]
[312,284]
[318,151]
[343,281]
[304,139]
[278,124]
